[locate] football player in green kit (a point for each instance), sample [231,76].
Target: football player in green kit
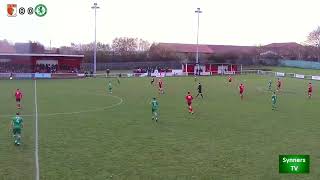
[16,125]
[154,109]
[110,87]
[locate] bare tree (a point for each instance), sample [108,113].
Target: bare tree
[124,46]
[158,52]
[313,39]
[103,47]
[143,45]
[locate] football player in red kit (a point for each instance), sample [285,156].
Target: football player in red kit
[310,90]
[278,85]
[160,84]
[189,99]
[18,95]
[229,79]
[241,90]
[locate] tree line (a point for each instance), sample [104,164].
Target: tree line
[126,49]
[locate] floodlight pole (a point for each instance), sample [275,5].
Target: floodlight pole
[198,11]
[95,7]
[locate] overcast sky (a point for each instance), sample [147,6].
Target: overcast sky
[236,22]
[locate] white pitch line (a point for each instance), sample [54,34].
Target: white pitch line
[36,153]
[75,112]
[87,111]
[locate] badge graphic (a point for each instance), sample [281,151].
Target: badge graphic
[12,10]
[40,10]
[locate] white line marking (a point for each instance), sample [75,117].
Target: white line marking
[36,131]
[76,112]
[87,111]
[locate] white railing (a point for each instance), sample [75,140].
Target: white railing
[163,74]
[174,73]
[40,75]
[291,75]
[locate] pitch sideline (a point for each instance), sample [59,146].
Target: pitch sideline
[36,132]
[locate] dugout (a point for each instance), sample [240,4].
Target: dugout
[26,63]
[211,69]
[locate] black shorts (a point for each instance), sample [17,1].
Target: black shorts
[18,99]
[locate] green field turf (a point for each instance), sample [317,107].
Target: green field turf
[85,133]
[315,72]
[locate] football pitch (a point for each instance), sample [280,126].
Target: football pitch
[86,133]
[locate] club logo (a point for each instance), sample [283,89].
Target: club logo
[40,10]
[12,10]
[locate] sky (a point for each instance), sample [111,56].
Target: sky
[226,22]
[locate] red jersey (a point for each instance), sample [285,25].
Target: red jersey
[241,88]
[310,88]
[160,83]
[189,98]
[18,94]
[279,83]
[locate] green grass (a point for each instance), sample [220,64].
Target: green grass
[16,162]
[224,139]
[289,70]
[297,70]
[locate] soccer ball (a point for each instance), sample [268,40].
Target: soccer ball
[11,78]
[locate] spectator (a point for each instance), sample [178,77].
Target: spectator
[108,72]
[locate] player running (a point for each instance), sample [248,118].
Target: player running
[278,85]
[274,100]
[160,84]
[110,87]
[241,90]
[152,81]
[189,99]
[16,126]
[199,90]
[309,90]
[154,109]
[18,95]
[270,85]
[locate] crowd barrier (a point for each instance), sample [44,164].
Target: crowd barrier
[292,75]
[40,75]
[173,73]
[169,74]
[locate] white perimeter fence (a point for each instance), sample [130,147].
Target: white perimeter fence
[291,75]
[173,73]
